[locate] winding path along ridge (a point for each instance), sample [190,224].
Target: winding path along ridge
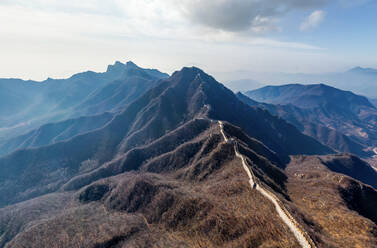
[303,240]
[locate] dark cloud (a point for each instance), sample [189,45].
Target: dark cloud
[242,15]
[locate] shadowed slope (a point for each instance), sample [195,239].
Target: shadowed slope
[55,132]
[30,104]
[187,94]
[347,113]
[351,166]
[344,208]
[306,121]
[277,134]
[185,189]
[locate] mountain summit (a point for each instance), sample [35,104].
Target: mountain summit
[362,70]
[186,163]
[310,96]
[58,99]
[186,95]
[340,119]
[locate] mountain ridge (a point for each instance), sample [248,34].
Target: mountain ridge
[321,111]
[159,174]
[174,101]
[55,99]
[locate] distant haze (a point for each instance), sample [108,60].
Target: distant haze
[359,80]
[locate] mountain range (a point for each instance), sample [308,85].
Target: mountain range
[359,80]
[150,160]
[27,105]
[340,119]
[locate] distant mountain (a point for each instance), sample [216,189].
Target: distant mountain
[364,71]
[303,120]
[359,80]
[184,165]
[29,104]
[340,119]
[311,96]
[187,94]
[54,132]
[117,94]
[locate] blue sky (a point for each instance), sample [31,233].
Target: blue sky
[349,29]
[51,38]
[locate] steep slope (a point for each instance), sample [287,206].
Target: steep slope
[161,174]
[341,111]
[117,94]
[301,236]
[373,101]
[80,109]
[189,189]
[182,191]
[55,132]
[187,94]
[30,104]
[14,93]
[304,120]
[351,166]
[344,209]
[276,133]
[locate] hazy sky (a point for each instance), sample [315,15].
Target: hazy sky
[56,38]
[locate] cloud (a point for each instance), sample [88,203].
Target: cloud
[146,19]
[242,15]
[179,17]
[68,35]
[313,20]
